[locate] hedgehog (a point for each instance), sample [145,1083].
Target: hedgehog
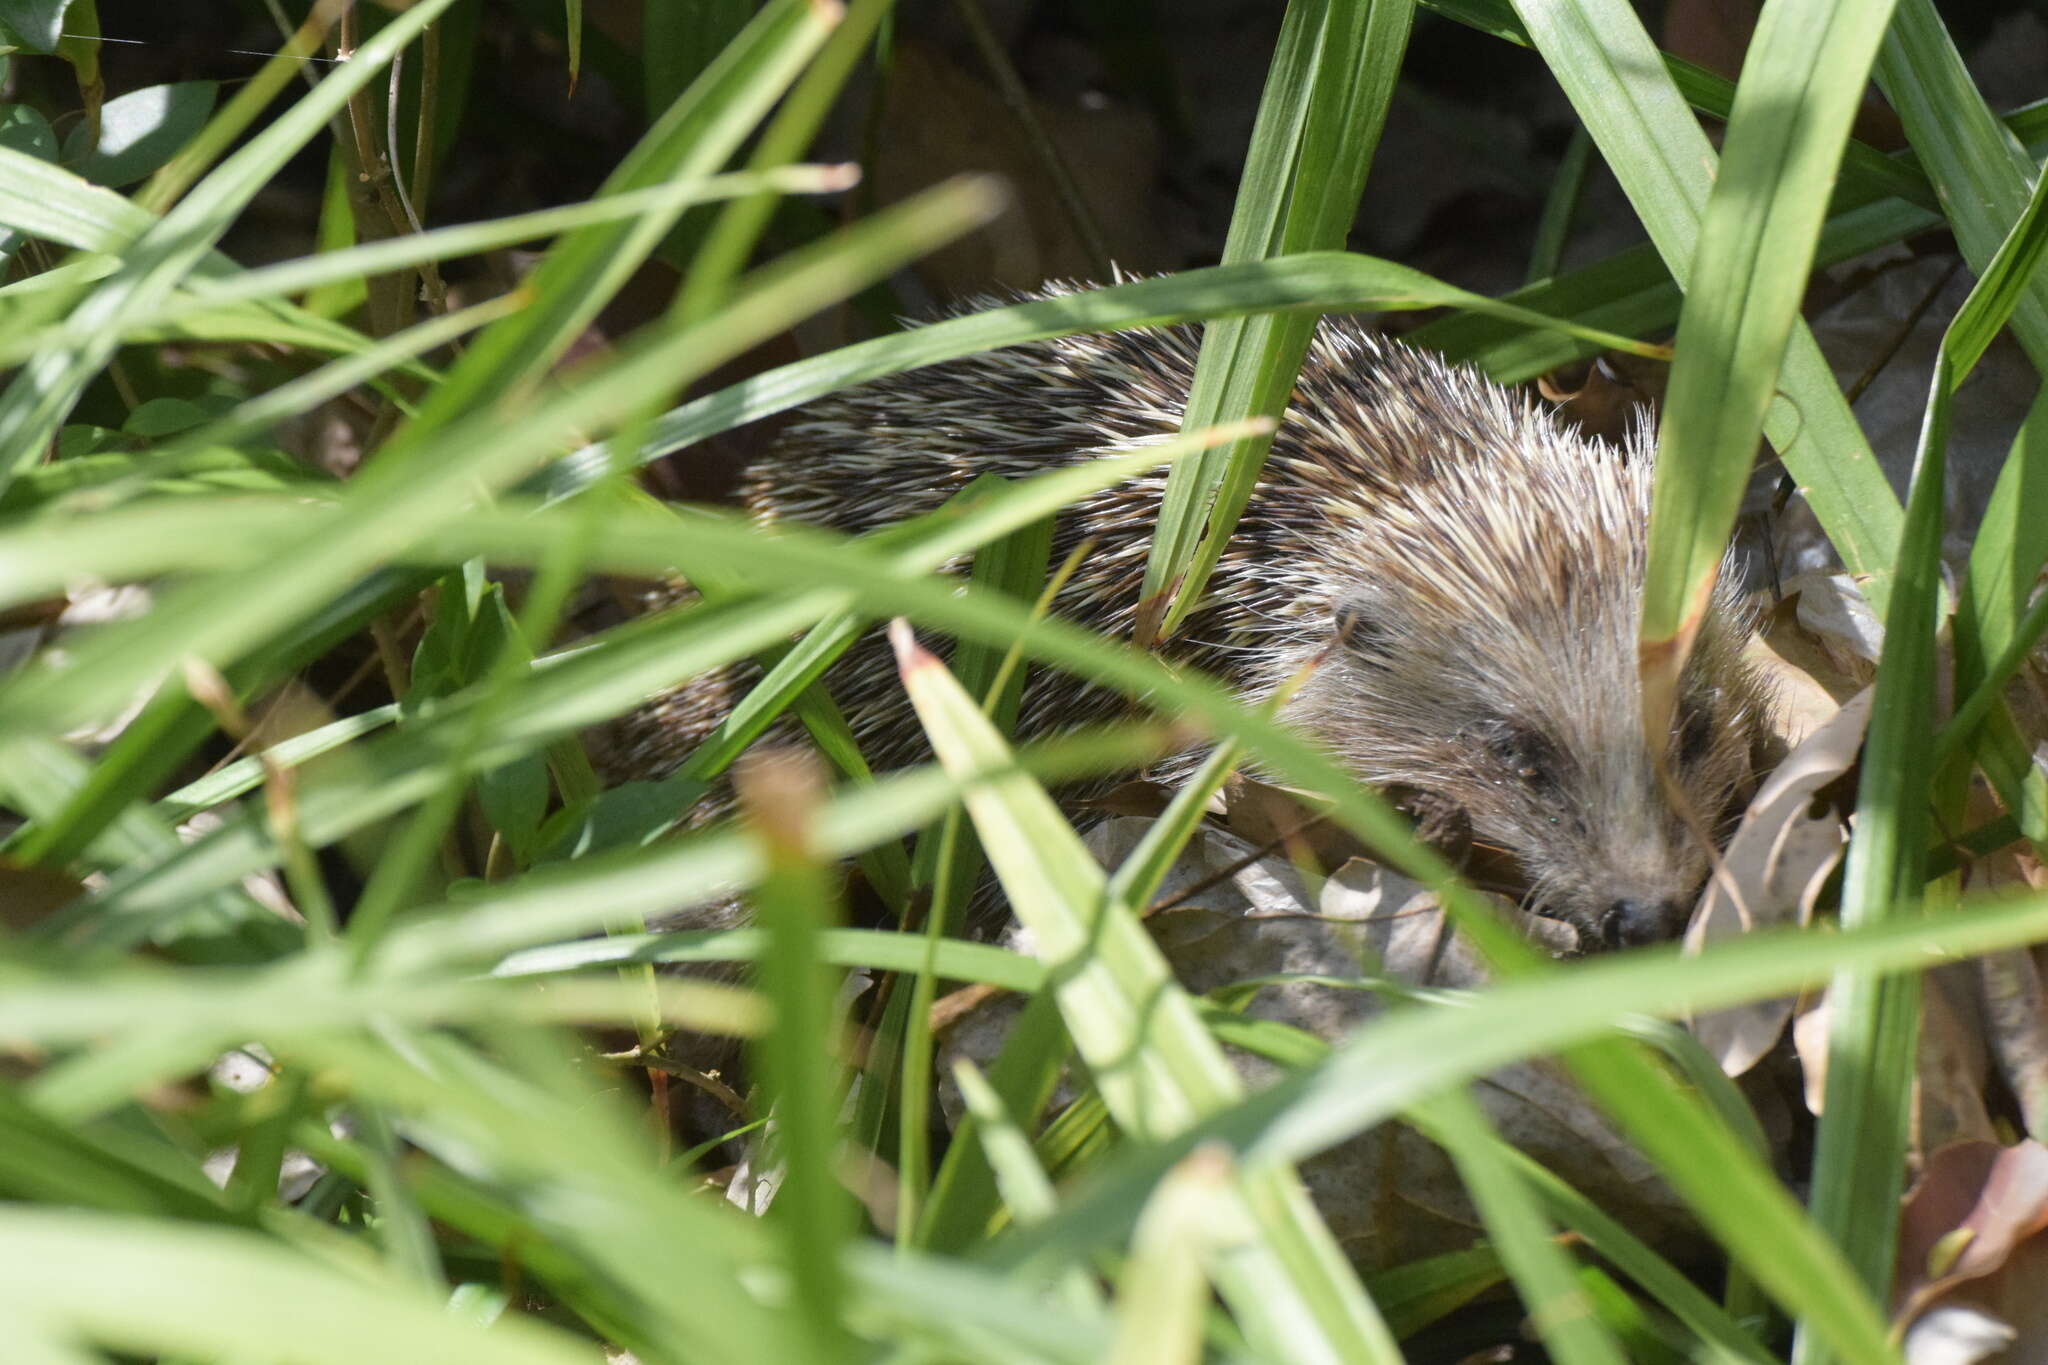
[1457,574]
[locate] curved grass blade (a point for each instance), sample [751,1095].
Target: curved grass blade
[1320,282]
[726,246]
[878,949]
[147,1287]
[1520,1231]
[1979,167]
[793,902]
[1318,124]
[582,271]
[1600,54]
[1801,84]
[49,383]
[1873,1021]
[1151,1058]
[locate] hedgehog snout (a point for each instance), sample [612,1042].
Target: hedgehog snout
[1634,921]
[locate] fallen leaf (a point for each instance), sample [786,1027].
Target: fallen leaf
[1996,1196]
[1777,862]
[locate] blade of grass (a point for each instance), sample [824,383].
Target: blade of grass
[793,902]
[964,1197]
[882,950]
[1156,1067]
[1979,168]
[144,1286]
[49,383]
[2011,545]
[1560,206]
[949,862]
[1801,83]
[1520,1230]
[1313,281]
[1873,1021]
[1027,1191]
[1162,1293]
[1318,124]
[694,137]
[730,240]
[1617,83]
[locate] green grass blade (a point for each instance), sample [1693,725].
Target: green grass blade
[1162,1293]
[146,1287]
[693,138]
[793,902]
[1151,1058]
[1612,72]
[1560,206]
[1980,168]
[1808,65]
[730,240]
[1873,1021]
[1520,1230]
[882,950]
[35,402]
[1318,124]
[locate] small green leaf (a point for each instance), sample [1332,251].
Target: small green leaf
[630,814]
[80,440]
[26,130]
[38,23]
[168,416]
[140,131]
[436,661]
[514,798]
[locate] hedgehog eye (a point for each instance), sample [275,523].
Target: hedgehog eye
[1695,731]
[1526,754]
[1357,628]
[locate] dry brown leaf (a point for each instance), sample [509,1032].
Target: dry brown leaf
[1955,1334]
[2015,1013]
[1834,611]
[1950,1068]
[1136,797]
[1273,818]
[1776,863]
[1969,1235]
[1806,685]
[1953,1065]
[1810,1042]
[28,893]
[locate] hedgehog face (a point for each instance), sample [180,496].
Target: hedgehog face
[1529,732]
[1605,842]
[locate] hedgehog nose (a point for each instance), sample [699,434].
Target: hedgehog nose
[1632,921]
